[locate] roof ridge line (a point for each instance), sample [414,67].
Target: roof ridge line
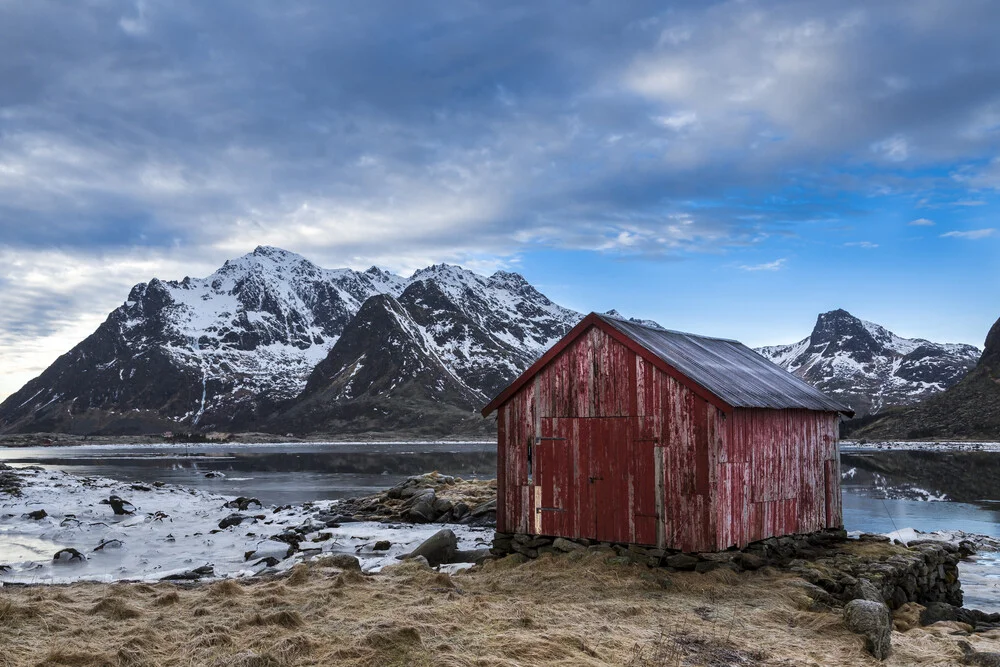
[633,323]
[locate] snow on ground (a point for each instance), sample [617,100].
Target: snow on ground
[903,445]
[175,530]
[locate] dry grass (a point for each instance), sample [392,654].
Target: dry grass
[470,492]
[564,610]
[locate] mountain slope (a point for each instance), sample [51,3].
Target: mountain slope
[868,366]
[230,351]
[425,363]
[970,409]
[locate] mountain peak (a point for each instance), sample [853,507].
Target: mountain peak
[869,367]
[839,326]
[276,255]
[836,314]
[272,251]
[440,270]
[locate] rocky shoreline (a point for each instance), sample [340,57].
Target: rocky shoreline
[876,585]
[60,528]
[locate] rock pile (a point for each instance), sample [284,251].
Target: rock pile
[925,572]
[10,481]
[430,498]
[780,551]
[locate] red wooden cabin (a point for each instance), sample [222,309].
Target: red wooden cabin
[634,434]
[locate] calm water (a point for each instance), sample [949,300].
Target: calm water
[275,474]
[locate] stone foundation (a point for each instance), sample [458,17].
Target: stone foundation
[925,572]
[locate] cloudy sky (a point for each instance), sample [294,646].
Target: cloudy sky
[729,168]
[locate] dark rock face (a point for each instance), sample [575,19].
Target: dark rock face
[968,410]
[869,367]
[234,351]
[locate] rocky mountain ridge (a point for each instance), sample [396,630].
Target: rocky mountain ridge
[968,410]
[870,368]
[271,342]
[233,350]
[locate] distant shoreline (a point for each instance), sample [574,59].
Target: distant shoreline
[69,440]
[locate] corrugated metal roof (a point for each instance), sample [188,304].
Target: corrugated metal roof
[729,369]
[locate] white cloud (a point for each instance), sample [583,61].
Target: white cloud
[868,245]
[776,265]
[678,121]
[971,235]
[894,149]
[139,24]
[921,222]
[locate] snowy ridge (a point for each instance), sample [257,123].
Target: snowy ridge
[868,366]
[229,350]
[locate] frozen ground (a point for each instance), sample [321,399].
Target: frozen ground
[174,530]
[901,445]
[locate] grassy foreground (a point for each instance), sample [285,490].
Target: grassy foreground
[576,609]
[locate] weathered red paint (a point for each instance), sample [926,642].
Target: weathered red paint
[623,451]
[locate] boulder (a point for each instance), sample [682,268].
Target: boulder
[562,544]
[271,549]
[749,561]
[120,506]
[243,504]
[459,511]
[979,658]
[191,575]
[442,505]
[232,520]
[382,545]
[69,555]
[865,590]
[37,515]
[873,621]
[438,549]
[681,562]
[938,611]
[343,561]
[421,511]
[418,496]
[470,556]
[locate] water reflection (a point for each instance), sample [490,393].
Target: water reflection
[275,474]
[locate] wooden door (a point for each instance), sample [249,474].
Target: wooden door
[598,478]
[554,481]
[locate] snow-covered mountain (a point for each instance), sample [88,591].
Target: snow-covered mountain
[968,410]
[234,350]
[870,368]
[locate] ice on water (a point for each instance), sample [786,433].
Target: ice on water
[174,530]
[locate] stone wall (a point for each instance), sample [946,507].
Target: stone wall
[846,569]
